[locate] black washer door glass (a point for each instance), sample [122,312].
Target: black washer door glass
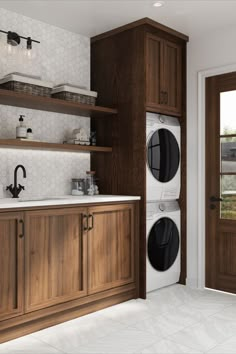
[163,244]
[163,155]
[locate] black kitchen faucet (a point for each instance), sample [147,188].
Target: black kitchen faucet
[15,190]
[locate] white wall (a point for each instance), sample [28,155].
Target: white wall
[215,49]
[61,57]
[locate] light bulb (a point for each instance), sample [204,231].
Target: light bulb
[158,4]
[9,49]
[29,54]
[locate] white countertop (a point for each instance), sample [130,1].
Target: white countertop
[10,203]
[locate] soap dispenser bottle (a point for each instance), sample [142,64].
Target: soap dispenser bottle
[21,131]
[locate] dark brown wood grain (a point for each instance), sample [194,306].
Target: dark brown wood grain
[12,98]
[163,75]
[220,233]
[119,72]
[155,26]
[36,145]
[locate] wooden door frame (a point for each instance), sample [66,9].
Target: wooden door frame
[201,208]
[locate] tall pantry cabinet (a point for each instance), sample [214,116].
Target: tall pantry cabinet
[138,68]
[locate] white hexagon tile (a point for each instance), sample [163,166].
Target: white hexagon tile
[61,57]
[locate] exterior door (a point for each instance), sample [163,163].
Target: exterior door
[11,264]
[221,182]
[110,247]
[55,257]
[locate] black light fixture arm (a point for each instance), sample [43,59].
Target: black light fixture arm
[26,38]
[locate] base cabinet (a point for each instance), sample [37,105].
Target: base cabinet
[11,265]
[55,257]
[110,248]
[55,260]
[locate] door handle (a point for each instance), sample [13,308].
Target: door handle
[215,199]
[22,228]
[92,226]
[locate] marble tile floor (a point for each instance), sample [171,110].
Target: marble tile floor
[174,320]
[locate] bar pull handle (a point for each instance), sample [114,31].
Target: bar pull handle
[92,225]
[85,227]
[22,234]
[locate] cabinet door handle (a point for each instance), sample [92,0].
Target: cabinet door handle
[92,226]
[22,228]
[85,228]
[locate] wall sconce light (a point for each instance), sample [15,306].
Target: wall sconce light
[14,39]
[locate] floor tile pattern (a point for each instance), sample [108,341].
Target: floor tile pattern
[172,320]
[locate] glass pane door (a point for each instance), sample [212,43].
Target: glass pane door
[228,154]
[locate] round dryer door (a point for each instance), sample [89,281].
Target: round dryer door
[163,244]
[163,155]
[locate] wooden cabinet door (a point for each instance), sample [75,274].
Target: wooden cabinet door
[172,85]
[154,71]
[11,264]
[163,76]
[110,247]
[55,257]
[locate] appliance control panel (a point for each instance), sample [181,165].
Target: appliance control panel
[157,207]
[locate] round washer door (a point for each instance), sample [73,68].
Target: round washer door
[163,244]
[163,155]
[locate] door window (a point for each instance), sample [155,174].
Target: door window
[228,154]
[163,155]
[163,244]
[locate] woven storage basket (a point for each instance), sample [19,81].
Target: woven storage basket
[74,94]
[75,97]
[25,84]
[30,89]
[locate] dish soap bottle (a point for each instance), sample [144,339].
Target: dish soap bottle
[30,135]
[21,131]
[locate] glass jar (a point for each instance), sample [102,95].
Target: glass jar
[90,183]
[78,186]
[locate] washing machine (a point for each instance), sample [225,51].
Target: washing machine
[163,244]
[163,157]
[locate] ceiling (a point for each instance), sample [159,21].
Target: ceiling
[91,17]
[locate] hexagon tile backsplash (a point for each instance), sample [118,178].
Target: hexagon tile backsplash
[61,57]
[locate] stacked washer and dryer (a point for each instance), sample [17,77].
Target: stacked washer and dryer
[163,178]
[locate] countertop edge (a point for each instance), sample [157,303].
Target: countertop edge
[69,201]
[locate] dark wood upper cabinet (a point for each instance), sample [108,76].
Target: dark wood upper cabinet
[163,75]
[110,247]
[55,257]
[11,265]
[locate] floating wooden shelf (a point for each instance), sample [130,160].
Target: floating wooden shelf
[35,145]
[12,98]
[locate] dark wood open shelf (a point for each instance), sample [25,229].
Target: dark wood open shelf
[35,145]
[49,104]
